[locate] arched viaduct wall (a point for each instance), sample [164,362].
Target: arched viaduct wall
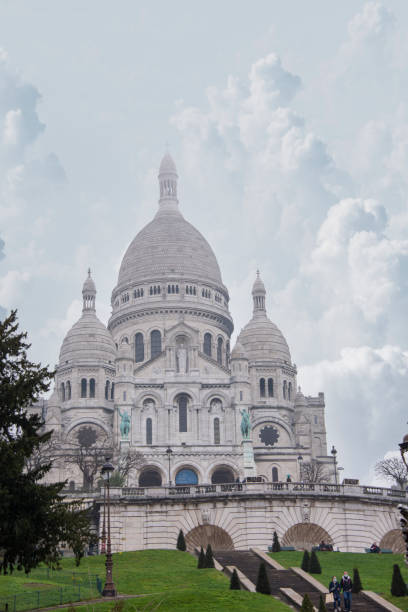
[153,520]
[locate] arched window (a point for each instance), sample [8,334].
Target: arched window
[262,387]
[207,344]
[83,387]
[62,392]
[139,347]
[68,389]
[284,389]
[150,478]
[182,407]
[92,387]
[275,475]
[270,387]
[222,475]
[217,431]
[289,391]
[107,385]
[149,431]
[227,356]
[113,391]
[220,344]
[155,343]
[186,476]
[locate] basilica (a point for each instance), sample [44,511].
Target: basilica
[161,377]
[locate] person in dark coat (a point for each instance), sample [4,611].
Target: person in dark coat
[346,586]
[334,587]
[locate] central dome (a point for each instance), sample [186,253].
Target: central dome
[169,246]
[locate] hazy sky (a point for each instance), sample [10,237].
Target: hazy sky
[288,122]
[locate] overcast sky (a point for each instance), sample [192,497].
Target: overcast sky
[288,122]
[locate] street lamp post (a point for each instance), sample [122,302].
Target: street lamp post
[169,453]
[300,459]
[402,508]
[334,453]
[103,536]
[109,589]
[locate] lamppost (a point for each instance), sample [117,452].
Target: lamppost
[334,453]
[402,508]
[103,536]
[169,453]
[300,459]
[109,589]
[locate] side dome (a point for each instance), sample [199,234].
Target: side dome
[169,246]
[238,352]
[88,340]
[262,339]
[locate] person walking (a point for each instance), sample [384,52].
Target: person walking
[334,588]
[346,585]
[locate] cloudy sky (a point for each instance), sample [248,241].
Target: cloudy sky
[288,122]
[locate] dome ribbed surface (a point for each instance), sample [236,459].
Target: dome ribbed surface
[88,340]
[169,246]
[263,340]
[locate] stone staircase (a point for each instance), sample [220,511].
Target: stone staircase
[248,563]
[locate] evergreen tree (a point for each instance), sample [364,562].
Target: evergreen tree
[322,604]
[262,584]
[276,547]
[34,518]
[181,543]
[314,564]
[209,559]
[201,559]
[235,584]
[305,561]
[307,605]
[398,586]
[357,586]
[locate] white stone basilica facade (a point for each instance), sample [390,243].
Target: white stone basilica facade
[161,377]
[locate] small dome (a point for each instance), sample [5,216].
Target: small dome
[167,165]
[300,399]
[89,285]
[88,341]
[263,340]
[238,352]
[258,286]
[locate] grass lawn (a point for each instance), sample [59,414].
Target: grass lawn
[169,579]
[375,570]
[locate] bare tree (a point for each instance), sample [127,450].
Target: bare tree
[88,452]
[47,453]
[393,470]
[314,472]
[128,462]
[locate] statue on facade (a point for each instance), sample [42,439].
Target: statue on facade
[124,424]
[181,359]
[245,424]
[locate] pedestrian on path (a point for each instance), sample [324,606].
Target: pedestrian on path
[346,585]
[334,588]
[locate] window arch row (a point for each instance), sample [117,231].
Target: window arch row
[88,388]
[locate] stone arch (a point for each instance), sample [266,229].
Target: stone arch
[393,539]
[305,535]
[209,534]
[223,474]
[274,420]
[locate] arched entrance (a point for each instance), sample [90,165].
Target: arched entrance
[186,476]
[150,478]
[209,534]
[393,539]
[305,535]
[222,475]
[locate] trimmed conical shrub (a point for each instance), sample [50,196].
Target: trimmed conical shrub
[322,605]
[201,559]
[357,586]
[305,561]
[209,559]
[314,564]
[276,547]
[235,584]
[398,586]
[181,543]
[262,584]
[307,605]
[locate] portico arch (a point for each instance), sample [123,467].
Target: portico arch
[209,534]
[393,539]
[303,536]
